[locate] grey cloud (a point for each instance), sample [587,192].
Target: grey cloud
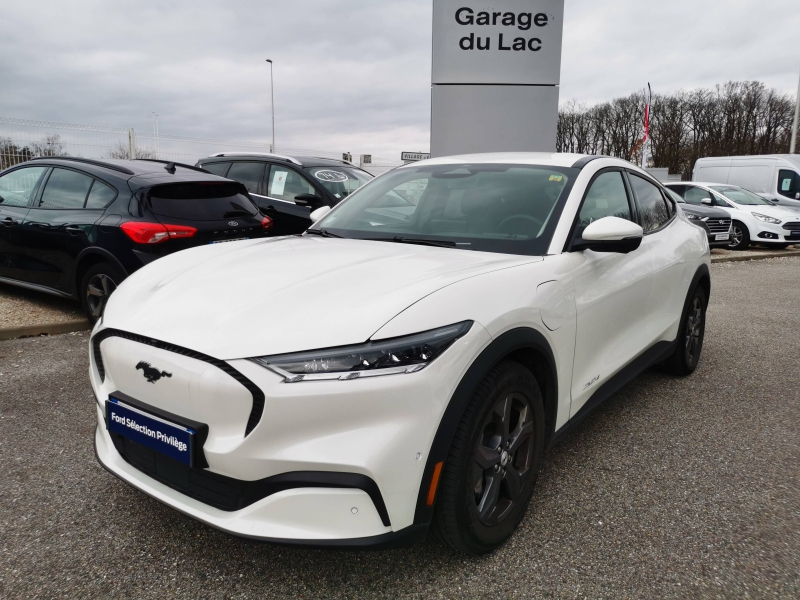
[348,75]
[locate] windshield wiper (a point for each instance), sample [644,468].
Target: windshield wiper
[420,242]
[322,232]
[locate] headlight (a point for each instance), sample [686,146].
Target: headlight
[692,217]
[767,219]
[405,354]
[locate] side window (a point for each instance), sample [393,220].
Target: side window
[285,184]
[720,201]
[652,206]
[248,173]
[65,189]
[16,187]
[606,198]
[100,195]
[694,195]
[217,168]
[788,183]
[678,189]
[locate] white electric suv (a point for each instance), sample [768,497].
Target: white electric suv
[754,219]
[405,363]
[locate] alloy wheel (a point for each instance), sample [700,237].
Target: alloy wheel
[503,459]
[736,236]
[97,293]
[694,329]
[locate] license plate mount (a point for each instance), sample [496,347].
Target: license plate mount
[180,441]
[722,236]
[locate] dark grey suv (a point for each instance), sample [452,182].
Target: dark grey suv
[288,188]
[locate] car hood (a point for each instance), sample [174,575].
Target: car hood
[705,211]
[778,212]
[279,295]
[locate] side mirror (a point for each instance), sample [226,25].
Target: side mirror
[319,213]
[307,200]
[706,201]
[610,234]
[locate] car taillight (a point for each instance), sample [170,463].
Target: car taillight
[155,233]
[266,223]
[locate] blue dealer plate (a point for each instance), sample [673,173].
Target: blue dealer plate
[150,431]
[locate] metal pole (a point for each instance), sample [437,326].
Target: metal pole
[272,102]
[793,143]
[155,131]
[131,144]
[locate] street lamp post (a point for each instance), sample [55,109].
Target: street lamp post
[794,123]
[272,102]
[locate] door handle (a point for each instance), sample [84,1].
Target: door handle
[73,229]
[40,225]
[8,222]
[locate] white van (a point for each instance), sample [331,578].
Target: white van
[775,176]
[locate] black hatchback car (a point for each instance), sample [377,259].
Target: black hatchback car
[78,227]
[289,188]
[715,221]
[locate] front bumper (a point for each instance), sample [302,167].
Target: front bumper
[381,428]
[768,233]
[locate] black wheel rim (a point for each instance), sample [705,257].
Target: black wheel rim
[503,459]
[736,236]
[97,293]
[694,330]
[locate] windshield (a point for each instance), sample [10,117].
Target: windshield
[490,207]
[339,181]
[740,195]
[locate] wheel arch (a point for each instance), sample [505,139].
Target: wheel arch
[88,258]
[522,345]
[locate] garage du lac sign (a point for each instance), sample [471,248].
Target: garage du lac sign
[504,42]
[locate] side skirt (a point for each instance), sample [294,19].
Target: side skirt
[652,356]
[35,286]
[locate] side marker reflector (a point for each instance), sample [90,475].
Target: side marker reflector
[437,470]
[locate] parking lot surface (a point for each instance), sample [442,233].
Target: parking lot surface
[674,488]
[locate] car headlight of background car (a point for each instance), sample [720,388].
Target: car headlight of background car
[405,354]
[694,217]
[767,219]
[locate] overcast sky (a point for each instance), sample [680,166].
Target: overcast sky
[350,75]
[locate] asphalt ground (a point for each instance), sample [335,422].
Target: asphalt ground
[675,488]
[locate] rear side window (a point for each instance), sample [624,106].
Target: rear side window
[652,205]
[205,201]
[249,174]
[217,168]
[16,187]
[100,195]
[65,189]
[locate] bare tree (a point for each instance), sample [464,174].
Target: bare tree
[737,118]
[122,151]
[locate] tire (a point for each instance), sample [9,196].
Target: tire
[97,285]
[691,334]
[486,486]
[740,237]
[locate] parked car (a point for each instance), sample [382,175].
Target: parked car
[77,227]
[714,221]
[775,177]
[755,220]
[432,336]
[289,188]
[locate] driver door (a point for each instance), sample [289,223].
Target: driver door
[612,293]
[282,184]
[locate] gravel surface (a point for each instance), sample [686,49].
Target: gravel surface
[19,307]
[752,251]
[675,488]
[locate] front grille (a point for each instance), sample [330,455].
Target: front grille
[718,225]
[255,391]
[792,226]
[229,494]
